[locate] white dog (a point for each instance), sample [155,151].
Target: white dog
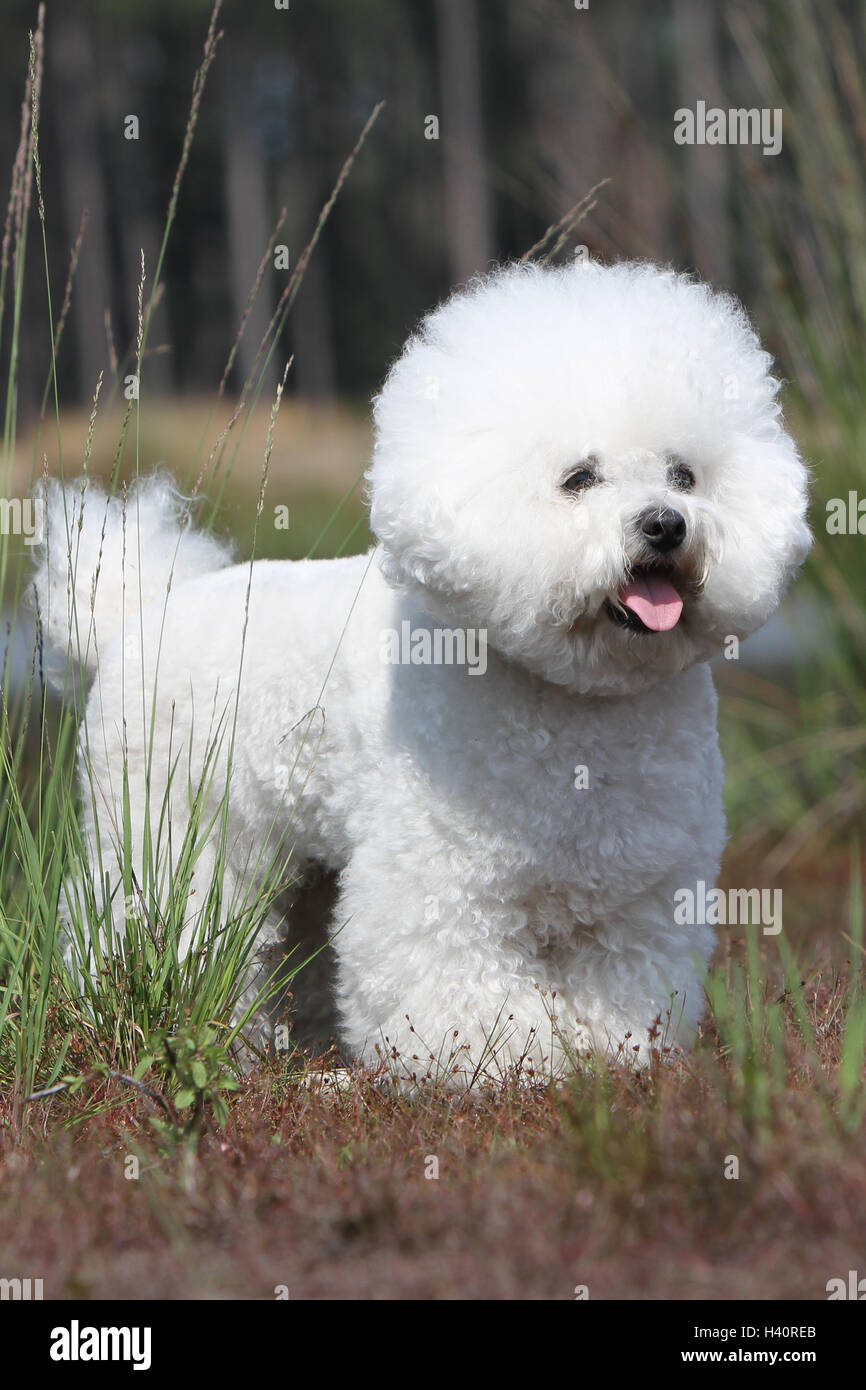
[495,735]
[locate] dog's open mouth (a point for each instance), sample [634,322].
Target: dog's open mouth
[647,602]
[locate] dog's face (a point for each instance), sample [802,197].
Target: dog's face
[590,464]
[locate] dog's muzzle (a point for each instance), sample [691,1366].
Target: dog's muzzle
[651,598]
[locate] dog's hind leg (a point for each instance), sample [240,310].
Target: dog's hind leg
[294,946]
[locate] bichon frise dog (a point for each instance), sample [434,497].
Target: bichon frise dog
[494,736]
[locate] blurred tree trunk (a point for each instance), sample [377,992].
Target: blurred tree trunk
[247,210]
[70,53]
[310,324]
[705,166]
[572,138]
[138,202]
[467,201]
[643,188]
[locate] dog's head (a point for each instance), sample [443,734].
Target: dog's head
[590,464]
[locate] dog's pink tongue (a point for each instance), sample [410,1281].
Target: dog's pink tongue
[655,601]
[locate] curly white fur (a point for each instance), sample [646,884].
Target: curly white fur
[480,888]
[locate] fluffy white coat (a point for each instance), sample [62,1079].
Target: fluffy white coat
[506,845]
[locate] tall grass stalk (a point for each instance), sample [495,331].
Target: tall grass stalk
[180,965]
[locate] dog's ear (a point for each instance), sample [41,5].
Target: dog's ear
[438,429]
[414,534]
[409,483]
[764,536]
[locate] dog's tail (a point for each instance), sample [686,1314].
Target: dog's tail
[102,559]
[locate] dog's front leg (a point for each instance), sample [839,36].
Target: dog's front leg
[431,982]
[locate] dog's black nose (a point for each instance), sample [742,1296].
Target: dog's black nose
[664,528]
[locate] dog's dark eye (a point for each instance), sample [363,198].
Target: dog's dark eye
[583,477]
[680,476]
